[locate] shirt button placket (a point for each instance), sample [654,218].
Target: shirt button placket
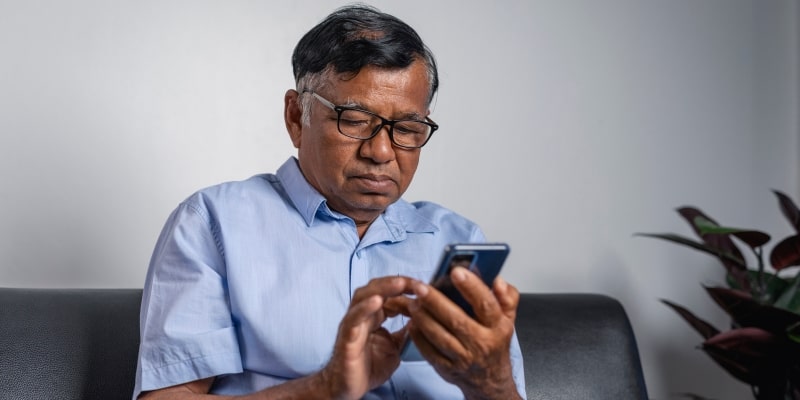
[359,274]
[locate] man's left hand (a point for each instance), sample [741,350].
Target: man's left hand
[471,353]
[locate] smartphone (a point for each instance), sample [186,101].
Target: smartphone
[484,260]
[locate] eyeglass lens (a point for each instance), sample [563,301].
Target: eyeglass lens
[363,125]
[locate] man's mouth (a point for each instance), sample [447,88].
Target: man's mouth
[375,183]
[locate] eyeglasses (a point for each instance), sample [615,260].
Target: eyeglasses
[362,124]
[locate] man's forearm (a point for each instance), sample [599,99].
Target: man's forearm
[309,387]
[502,391]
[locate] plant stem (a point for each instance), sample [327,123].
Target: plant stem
[760,293]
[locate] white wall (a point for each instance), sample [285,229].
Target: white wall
[566,127]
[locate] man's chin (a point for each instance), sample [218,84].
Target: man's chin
[376,201]
[369,203]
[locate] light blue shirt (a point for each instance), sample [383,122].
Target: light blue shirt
[249,280]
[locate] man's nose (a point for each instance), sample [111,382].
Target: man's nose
[379,148]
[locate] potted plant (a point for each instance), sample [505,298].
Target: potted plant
[762,347]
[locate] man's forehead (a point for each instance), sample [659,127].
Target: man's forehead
[410,77]
[369,106]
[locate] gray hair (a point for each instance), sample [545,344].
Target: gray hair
[313,82]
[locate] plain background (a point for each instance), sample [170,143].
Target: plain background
[567,126]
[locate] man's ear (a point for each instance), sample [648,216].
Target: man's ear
[292,116]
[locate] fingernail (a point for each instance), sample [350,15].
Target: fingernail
[414,306]
[459,274]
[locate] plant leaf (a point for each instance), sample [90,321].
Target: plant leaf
[705,329]
[692,396]
[789,210]
[722,243]
[752,355]
[790,299]
[794,332]
[695,245]
[749,313]
[775,285]
[786,253]
[752,238]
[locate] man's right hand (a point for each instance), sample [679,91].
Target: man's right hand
[366,354]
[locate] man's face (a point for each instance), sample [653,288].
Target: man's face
[360,178]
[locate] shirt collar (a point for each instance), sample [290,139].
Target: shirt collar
[400,217]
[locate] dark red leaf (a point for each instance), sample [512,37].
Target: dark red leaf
[789,210]
[754,239]
[692,396]
[730,362]
[786,253]
[749,313]
[705,329]
[693,244]
[721,242]
[752,355]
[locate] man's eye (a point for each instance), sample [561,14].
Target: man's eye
[410,128]
[353,122]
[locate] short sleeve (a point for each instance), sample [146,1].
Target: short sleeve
[187,331]
[517,366]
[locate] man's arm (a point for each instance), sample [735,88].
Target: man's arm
[364,356]
[309,387]
[471,353]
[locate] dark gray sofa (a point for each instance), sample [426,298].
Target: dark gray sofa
[82,344]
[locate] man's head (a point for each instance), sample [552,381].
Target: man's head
[362,59]
[353,37]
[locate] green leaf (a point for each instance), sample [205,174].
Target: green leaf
[752,238]
[790,299]
[775,285]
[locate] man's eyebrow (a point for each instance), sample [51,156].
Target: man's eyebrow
[350,103]
[413,115]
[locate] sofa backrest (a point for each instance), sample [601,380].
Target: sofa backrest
[578,346]
[68,344]
[82,344]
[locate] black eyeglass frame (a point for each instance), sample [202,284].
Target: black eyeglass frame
[384,122]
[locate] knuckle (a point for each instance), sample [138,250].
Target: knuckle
[485,306]
[460,326]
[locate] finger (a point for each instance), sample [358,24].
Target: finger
[360,319]
[477,294]
[388,346]
[440,335]
[427,349]
[507,296]
[397,305]
[389,286]
[443,310]
[400,336]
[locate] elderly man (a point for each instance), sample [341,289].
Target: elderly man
[296,285]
